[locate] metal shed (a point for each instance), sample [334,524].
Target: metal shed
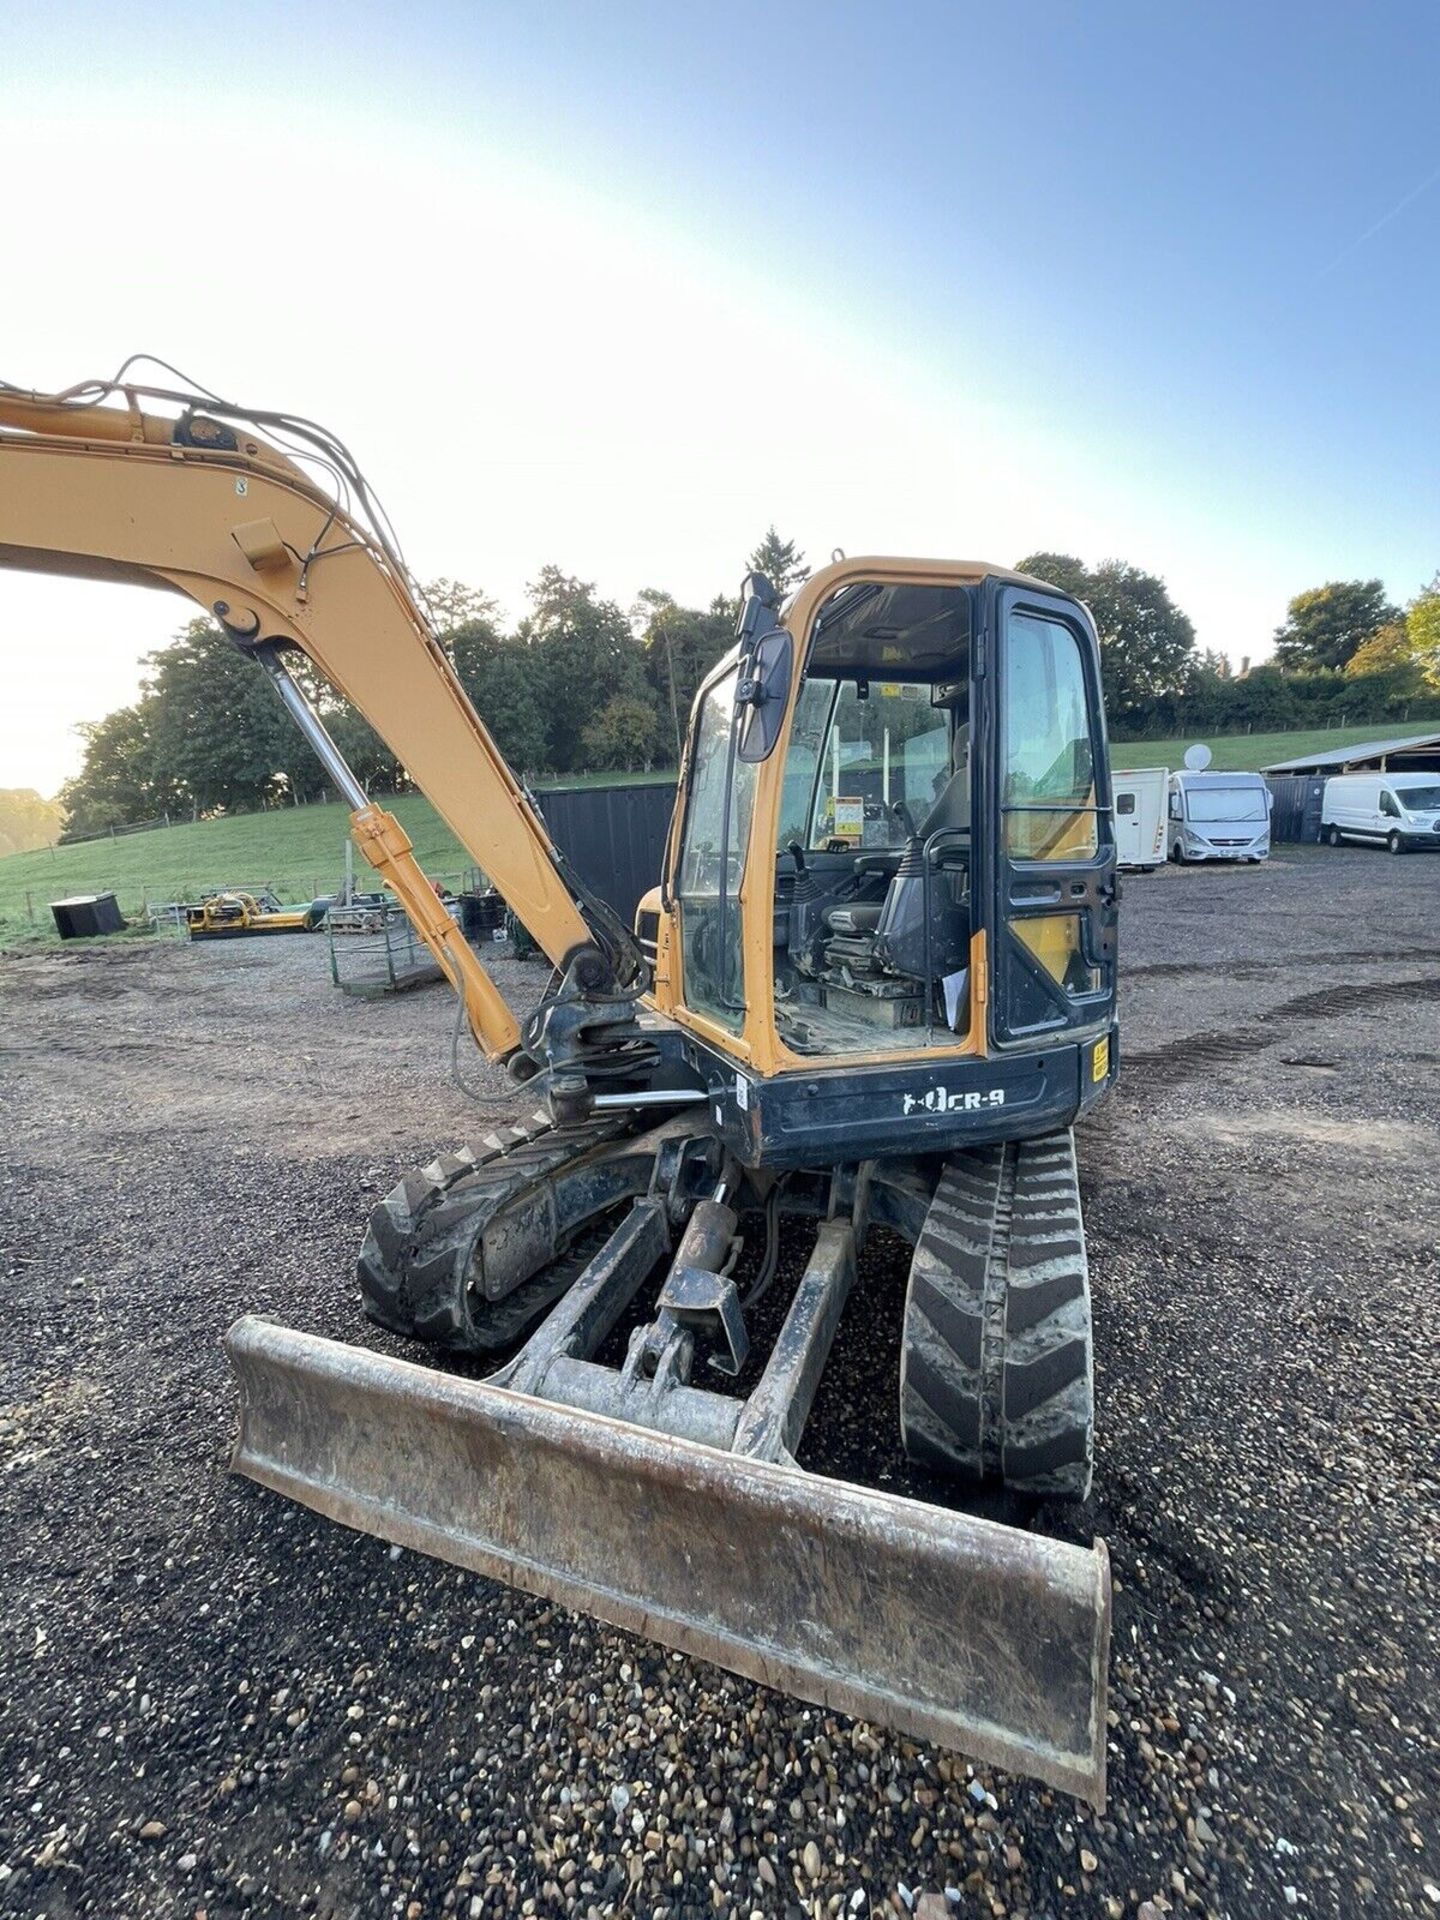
[1416,753]
[615,837]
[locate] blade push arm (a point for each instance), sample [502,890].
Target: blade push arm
[207,507]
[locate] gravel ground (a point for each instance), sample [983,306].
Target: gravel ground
[213,1703]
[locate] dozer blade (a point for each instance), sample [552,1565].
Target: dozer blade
[974,1635]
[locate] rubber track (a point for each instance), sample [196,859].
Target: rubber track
[413,1265]
[996,1371]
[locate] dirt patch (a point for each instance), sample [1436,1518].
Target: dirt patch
[211,1700]
[1313,1129]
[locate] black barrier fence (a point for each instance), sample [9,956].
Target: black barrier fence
[1295,816]
[614,837]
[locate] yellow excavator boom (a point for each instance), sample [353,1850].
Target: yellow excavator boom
[215,512]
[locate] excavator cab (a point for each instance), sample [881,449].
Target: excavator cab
[890,894]
[882,990]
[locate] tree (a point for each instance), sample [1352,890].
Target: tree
[1060,570]
[1271,697]
[1422,625]
[681,645]
[27,821]
[622,734]
[1390,652]
[452,605]
[781,562]
[217,728]
[1325,626]
[1147,645]
[499,674]
[494,668]
[119,780]
[581,653]
[364,752]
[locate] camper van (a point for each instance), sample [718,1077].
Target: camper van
[1394,810]
[1218,816]
[1137,800]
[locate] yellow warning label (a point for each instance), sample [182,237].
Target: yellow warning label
[1100,1064]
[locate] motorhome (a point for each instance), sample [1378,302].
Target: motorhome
[1137,799]
[1218,816]
[1394,810]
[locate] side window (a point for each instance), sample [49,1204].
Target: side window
[712,857]
[1125,804]
[1389,806]
[1047,793]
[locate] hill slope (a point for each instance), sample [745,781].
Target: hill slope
[1248,752]
[300,851]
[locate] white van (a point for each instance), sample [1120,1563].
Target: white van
[1394,810]
[1137,799]
[1218,816]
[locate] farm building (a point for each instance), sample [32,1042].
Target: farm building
[1298,786]
[1417,753]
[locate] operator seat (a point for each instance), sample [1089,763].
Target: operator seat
[855,918]
[951,811]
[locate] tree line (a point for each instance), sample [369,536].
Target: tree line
[578,685]
[26,821]
[581,685]
[1344,655]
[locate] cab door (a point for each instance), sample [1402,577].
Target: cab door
[1054,895]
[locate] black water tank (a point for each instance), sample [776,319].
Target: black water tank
[87,914]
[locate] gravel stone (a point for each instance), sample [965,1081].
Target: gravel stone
[191,1133]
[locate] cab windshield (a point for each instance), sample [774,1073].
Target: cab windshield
[1225,803]
[1419,799]
[868,760]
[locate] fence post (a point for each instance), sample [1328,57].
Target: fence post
[29,909]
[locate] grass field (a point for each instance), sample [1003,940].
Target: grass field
[1248,752]
[300,851]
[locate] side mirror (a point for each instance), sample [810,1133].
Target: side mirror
[762,693]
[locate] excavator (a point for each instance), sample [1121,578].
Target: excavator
[874,989]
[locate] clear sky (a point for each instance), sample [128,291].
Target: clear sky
[615,285]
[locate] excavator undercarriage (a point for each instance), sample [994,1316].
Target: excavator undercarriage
[644,1492]
[874,989]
